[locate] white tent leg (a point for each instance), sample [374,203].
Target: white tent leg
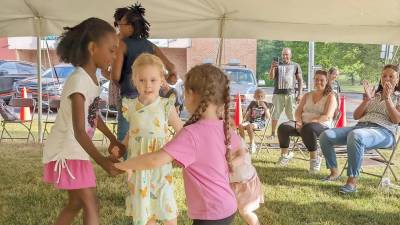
[39,74]
[221,40]
[311,46]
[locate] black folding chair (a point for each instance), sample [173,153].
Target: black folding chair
[261,134]
[297,142]
[27,124]
[387,161]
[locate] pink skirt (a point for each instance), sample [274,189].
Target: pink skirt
[76,174]
[249,195]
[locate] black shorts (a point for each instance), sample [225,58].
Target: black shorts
[226,221]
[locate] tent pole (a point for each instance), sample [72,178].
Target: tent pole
[311,46]
[221,40]
[39,74]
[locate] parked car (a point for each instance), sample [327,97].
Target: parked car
[12,71]
[243,81]
[53,81]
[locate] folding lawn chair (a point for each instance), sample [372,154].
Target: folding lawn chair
[261,134]
[297,142]
[387,161]
[111,121]
[106,113]
[27,124]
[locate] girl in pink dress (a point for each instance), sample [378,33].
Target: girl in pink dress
[66,155]
[204,149]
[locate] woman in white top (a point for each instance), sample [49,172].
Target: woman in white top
[378,116]
[313,115]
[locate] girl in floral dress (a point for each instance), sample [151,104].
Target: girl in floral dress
[151,193]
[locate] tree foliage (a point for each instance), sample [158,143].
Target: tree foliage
[355,61]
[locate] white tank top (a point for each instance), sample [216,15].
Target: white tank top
[312,110]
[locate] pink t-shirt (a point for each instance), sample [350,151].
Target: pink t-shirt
[200,148]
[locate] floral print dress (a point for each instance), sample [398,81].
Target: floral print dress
[151,192]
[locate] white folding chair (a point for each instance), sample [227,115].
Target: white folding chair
[27,124]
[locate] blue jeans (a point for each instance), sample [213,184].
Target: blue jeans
[123,126]
[358,139]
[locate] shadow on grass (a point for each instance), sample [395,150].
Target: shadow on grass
[292,195]
[288,212]
[299,178]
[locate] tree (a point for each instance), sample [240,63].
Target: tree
[266,51]
[355,61]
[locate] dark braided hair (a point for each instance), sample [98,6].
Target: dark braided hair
[227,120]
[135,17]
[73,44]
[212,85]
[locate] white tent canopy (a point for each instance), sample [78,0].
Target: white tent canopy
[360,21]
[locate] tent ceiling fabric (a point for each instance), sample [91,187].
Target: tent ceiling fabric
[360,21]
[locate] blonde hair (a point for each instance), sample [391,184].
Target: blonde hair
[146,59]
[259,91]
[212,85]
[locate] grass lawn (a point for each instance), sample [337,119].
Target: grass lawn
[292,195]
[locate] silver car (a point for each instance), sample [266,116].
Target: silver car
[243,82]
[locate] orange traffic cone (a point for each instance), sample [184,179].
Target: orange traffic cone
[24,113]
[238,111]
[342,122]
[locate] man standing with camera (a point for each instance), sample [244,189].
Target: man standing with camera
[285,73]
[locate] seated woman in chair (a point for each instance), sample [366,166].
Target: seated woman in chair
[313,115]
[377,115]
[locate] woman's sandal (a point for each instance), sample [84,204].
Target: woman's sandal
[330,179]
[347,189]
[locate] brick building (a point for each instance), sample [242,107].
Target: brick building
[184,53]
